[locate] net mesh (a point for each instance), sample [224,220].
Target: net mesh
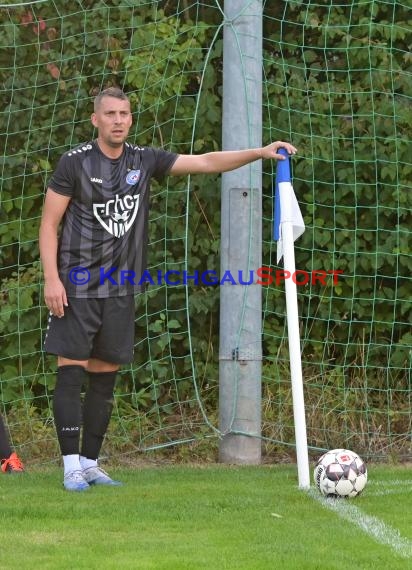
[336,79]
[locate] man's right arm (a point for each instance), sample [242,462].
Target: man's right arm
[54,208]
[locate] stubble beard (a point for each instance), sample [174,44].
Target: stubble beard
[112,143]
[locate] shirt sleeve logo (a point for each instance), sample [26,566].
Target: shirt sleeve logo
[117,216]
[133,177]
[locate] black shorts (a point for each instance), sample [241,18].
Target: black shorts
[94,328]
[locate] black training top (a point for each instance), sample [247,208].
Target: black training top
[103,242]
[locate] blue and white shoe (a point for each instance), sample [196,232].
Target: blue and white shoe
[74,481]
[97,476]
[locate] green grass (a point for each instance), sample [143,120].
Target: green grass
[213,517]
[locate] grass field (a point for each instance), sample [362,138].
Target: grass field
[204,517]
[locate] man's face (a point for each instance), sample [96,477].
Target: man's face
[113,120]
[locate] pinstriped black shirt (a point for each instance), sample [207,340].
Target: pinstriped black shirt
[103,239]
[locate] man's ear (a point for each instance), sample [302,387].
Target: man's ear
[93,119]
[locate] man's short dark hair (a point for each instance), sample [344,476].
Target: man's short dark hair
[109,92]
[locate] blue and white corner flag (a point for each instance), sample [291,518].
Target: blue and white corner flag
[288,226]
[286,206]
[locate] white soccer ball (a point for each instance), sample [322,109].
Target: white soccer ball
[340,473]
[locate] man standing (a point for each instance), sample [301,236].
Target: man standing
[99,193]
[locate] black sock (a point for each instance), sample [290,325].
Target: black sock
[67,407]
[5,449]
[98,405]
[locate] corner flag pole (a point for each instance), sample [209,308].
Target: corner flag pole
[288,226]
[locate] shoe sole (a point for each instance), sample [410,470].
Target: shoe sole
[76,489]
[106,483]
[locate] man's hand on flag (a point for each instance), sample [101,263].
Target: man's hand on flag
[271,150]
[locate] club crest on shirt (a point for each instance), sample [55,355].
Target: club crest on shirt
[133,177]
[117,215]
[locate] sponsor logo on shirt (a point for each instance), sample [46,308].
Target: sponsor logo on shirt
[117,215]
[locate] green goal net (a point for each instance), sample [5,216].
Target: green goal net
[336,78]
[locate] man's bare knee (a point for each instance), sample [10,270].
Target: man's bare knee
[96,365]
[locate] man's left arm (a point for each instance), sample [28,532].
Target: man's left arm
[224,161]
